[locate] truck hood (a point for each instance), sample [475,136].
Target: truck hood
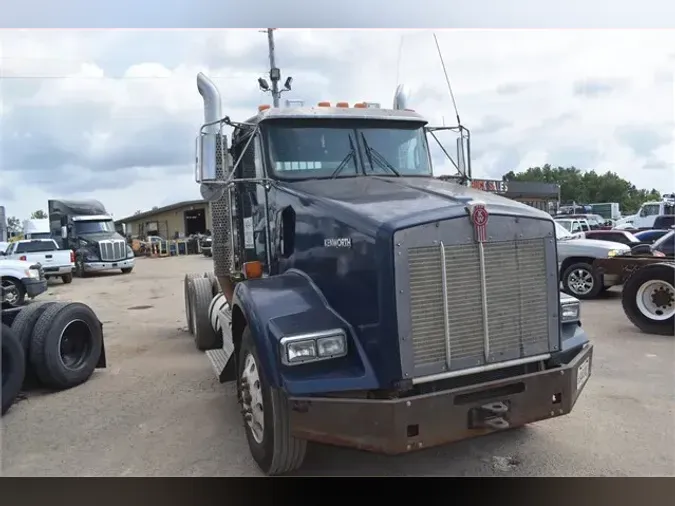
[101,236]
[14,264]
[397,202]
[591,245]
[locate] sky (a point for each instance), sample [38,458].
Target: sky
[112,114]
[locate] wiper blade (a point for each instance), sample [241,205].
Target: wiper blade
[346,159]
[381,160]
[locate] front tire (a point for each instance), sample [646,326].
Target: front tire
[127,270]
[14,293]
[582,281]
[648,300]
[266,416]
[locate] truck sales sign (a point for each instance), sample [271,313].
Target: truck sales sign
[490,185]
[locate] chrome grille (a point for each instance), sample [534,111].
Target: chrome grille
[112,251]
[517,302]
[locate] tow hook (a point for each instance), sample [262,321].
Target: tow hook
[491,416]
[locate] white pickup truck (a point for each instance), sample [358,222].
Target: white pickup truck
[55,263]
[18,280]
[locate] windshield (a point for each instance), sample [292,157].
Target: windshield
[561,232]
[93,227]
[319,149]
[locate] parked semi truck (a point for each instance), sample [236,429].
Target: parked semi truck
[85,227]
[369,304]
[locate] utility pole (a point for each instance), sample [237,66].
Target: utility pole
[275,73]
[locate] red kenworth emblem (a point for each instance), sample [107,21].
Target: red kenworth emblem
[479,216]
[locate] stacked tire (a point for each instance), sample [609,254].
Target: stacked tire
[58,343]
[202,301]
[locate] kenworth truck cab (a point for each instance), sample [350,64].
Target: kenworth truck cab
[371,305]
[85,227]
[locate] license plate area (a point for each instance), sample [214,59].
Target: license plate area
[115,264]
[583,372]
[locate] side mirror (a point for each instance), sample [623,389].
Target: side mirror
[64,232]
[461,156]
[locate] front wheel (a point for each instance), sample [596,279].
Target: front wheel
[266,416]
[582,281]
[79,268]
[127,270]
[13,293]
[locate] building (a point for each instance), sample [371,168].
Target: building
[174,221]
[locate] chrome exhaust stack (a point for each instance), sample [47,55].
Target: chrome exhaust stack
[212,159]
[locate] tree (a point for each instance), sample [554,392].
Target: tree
[585,187]
[38,215]
[13,224]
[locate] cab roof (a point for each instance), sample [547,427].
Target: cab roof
[336,113]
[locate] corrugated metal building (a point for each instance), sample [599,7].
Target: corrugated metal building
[174,221]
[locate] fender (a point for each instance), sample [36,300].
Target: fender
[291,304]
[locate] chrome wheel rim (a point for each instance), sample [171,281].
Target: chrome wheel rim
[581,281]
[10,293]
[252,398]
[656,300]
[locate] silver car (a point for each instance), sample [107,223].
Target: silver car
[575,263]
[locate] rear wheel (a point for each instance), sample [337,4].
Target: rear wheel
[200,292]
[186,296]
[67,278]
[648,299]
[582,281]
[266,416]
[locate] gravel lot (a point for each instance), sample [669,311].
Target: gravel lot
[157,410]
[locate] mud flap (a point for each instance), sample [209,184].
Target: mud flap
[102,364]
[222,360]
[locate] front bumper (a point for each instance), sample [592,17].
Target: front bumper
[127,263]
[34,287]
[402,425]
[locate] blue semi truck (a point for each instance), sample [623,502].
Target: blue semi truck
[367,303]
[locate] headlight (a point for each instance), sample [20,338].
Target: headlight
[569,312]
[617,252]
[130,252]
[313,347]
[33,273]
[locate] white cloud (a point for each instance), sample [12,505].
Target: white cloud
[112,115]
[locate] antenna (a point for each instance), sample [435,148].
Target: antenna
[447,80]
[275,73]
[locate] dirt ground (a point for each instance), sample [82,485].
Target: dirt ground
[157,410]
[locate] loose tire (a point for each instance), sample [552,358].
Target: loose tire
[582,281]
[67,278]
[266,416]
[200,293]
[13,367]
[648,299]
[25,321]
[127,270]
[186,297]
[66,345]
[14,293]
[215,287]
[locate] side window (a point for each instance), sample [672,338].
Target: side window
[650,210]
[584,226]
